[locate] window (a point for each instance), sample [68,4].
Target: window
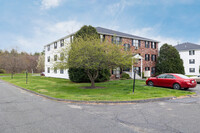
[153,70]
[61,56]
[182,76]
[170,77]
[162,76]
[147,57]
[61,71]
[55,57]
[147,68]
[139,43]
[102,37]
[55,70]
[192,61]
[126,47]
[116,40]
[55,45]
[135,43]
[62,43]
[191,52]
[48,70]
[146,44]
[48,48]
[192,70]
[71,39]
[153,57]
[153,45]
[48,59]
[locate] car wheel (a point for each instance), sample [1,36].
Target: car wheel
[176,86]
[150,83]
[186,88]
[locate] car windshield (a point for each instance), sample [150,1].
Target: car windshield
[182,76]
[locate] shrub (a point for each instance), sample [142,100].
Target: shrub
[2,71]
[79,75]
[142,74]
[125,76]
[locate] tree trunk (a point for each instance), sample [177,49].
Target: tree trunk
[92,76]
[92,83]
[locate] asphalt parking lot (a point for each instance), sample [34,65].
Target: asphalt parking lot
[24,112]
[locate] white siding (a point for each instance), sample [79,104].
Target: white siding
[186,57]
[51,53]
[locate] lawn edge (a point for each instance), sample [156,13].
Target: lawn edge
[100,102]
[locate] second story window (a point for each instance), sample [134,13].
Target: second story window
[48,48]
[192,61]
[147,57]
[62,56]
[116,40]
[191,52]
[153,57]
[55,57]
[146,44]
[48,59]
[62,43]
[126,47]
[55,45]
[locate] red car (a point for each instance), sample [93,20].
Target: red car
[173,80]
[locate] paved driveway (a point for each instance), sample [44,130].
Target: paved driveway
[24,112]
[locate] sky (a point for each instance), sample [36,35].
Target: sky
[28,25]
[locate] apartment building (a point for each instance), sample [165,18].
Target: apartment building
[190,54]
[146,48]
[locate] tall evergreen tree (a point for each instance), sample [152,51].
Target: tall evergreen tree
[169,61]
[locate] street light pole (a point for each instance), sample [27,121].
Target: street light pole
[132,67]
[134,81]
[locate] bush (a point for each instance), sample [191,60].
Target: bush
[142,74]
[79,75]
[2,71]
[125,76]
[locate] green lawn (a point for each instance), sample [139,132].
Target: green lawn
[118,90]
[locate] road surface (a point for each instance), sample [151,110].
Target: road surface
[24,112]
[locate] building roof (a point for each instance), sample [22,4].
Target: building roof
[187,46]
[101,30]
[105,31]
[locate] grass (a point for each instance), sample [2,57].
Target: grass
[118,90]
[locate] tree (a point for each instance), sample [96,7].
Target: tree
[85,32]
[169,61]
[40,63]
[93,55]
[15,62]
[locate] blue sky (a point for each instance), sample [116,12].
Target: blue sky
[30,24]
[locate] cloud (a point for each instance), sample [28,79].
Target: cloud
[44,33]
[116,8]
[47,4]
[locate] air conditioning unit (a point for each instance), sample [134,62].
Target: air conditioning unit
[136,47]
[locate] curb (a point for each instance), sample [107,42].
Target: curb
[99,102]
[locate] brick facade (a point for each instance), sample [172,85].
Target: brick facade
[142,50]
